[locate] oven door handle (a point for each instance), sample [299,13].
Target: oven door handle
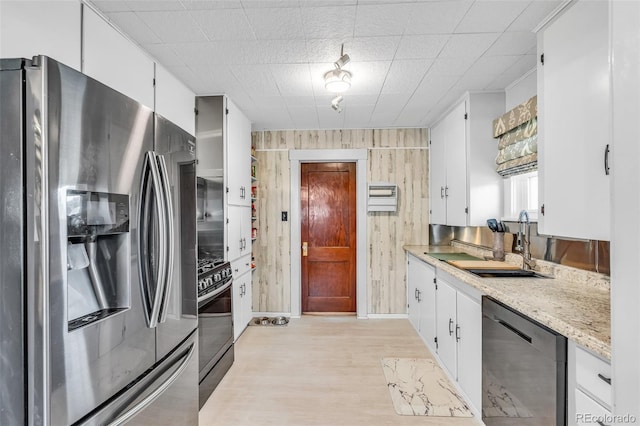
[216,291]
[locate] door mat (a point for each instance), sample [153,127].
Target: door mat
[419,387]
[270,321]
[497,401]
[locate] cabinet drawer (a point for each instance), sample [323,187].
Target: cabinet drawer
[588,411]
[592,374]
[241,266]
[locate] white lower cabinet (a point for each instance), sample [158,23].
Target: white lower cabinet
[459,335]
[588,387]
[448,316]
[422,299]
[242,309]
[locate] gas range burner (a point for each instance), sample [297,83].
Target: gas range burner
[213,277]
[206,264]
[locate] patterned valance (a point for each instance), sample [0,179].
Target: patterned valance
[517,131]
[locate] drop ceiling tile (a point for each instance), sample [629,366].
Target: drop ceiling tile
[421,46]
[368,77]
[202,53]
[360,100]
[304,117]
[133,26]
[382,120]
[256,79]
[292,79]
[382,20]
[404,76]
[330,119]
[433,86]
[525,64]
[224,24]
[490,16]
[280,52]
[211,4]
[294,102]
[262,4]
[359,49]
[391,104]
[409,117]
[329,22]
[534,14]
[280,23]
[474,81]
[148,5]
[188,77]
[173,27]
[436,17]
[321,3]
[513,43]
[357,118]
[468,45]
[493,65]
[274,104]
[111,5]
[450,66]
[164,54]
[217,79]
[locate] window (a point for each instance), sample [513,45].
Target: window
[521,193]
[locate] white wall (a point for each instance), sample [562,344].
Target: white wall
[521,90]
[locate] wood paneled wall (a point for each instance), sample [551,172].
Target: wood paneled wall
[395,155]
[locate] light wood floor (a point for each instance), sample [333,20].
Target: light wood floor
[317,371]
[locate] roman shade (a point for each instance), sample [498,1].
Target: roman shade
[517,131]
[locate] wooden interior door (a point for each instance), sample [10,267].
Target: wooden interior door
[328,214]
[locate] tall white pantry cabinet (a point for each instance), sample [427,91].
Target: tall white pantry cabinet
[224,149]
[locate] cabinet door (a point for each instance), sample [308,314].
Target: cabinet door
[238,303]
[574,123]
[247,307]
[446,324]
[456,165]
[437,175]
[469,336]
[234,232]
[413,279]
[174,100]
[428,306]
[245,230]
[115,61]
[238,157]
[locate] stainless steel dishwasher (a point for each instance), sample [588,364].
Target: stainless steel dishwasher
[523,369]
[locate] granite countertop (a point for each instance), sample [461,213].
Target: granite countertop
[575,303]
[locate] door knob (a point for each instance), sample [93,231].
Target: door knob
[305,248]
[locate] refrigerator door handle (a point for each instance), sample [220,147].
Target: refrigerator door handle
[170,236]
[182,364]
[151,176]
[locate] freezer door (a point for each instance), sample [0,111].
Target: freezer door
[166,395]
[88,144]
[179,310]
[12,345]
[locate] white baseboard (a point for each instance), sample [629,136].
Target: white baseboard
[273,314]
[388,316]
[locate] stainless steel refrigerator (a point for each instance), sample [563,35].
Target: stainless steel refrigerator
[98,309]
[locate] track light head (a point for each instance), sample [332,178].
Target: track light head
[344,60]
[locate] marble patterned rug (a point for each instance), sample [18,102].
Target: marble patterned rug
[419,387]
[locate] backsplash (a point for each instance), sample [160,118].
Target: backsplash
[589,255]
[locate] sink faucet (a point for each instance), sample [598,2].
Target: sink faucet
[523,240]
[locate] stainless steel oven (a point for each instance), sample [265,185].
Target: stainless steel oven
[215,325]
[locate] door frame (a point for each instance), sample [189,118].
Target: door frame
[358,156]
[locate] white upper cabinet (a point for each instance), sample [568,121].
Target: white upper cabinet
[115,61]
[238,167]
[465,189]
[574,123]
[174,100]
[29,28]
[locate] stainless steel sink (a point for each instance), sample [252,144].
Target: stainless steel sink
[506,273]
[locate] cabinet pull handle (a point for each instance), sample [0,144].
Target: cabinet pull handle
[606,160]
[415,294]
[446,191]
[450,329]
[457,333]
[442,192]
[419,293]
[607,380]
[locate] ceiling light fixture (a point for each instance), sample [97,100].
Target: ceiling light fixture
[335,103]
[338,80]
